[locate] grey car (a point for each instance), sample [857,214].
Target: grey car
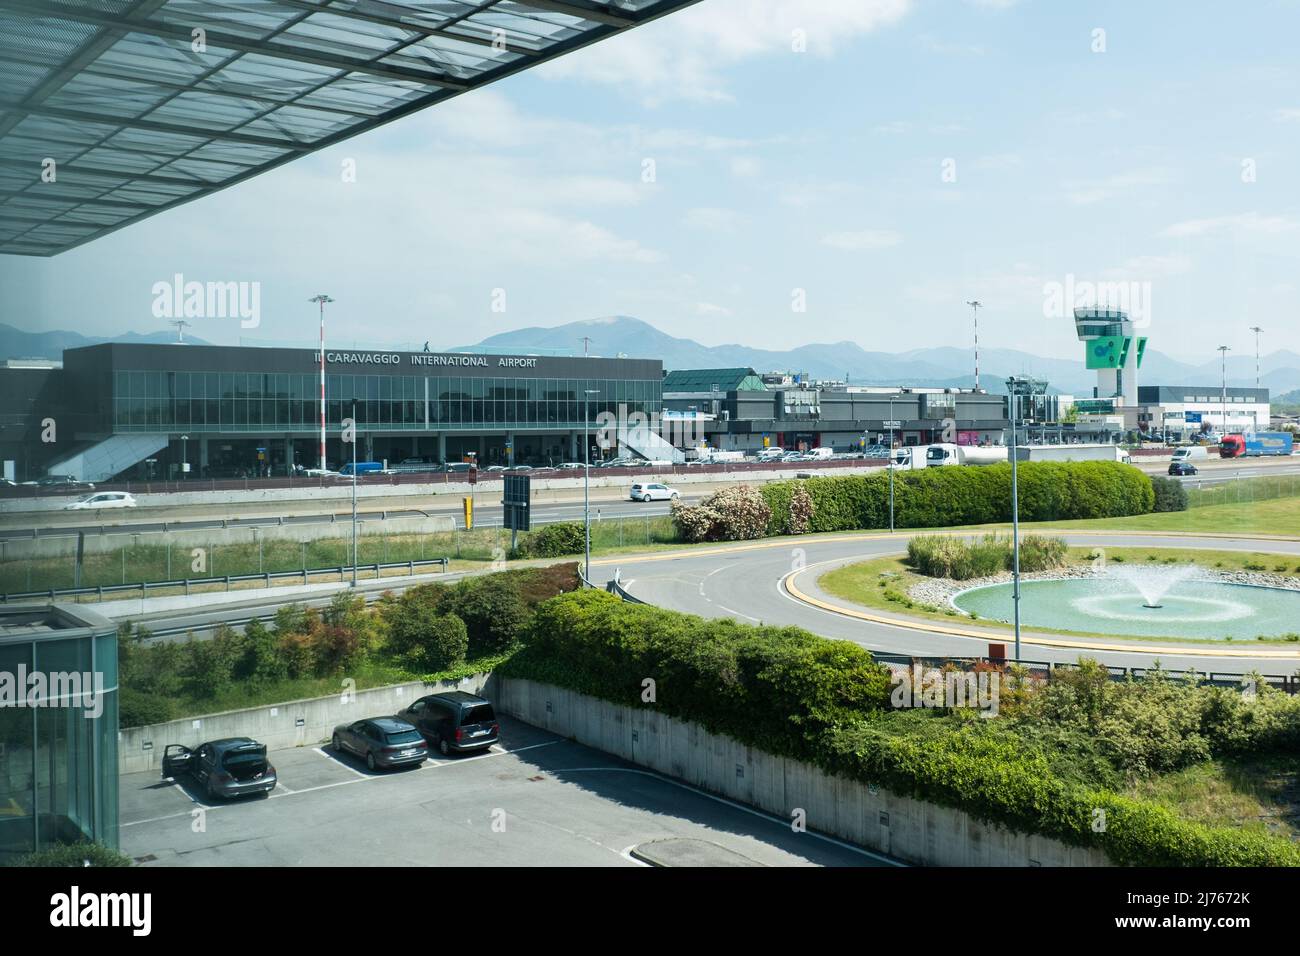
[386,742]
[231,767]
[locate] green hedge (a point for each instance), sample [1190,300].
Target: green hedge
[793,694]
[947,497]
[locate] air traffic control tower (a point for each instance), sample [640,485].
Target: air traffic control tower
[1113,350]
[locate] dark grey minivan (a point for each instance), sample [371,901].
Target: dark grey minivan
[232,767]
[454,722]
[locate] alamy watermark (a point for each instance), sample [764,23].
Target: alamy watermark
[178,299]
[622,426]
[24,688]
[950,689]
[1060,299]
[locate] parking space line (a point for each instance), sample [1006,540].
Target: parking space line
[339,761]
[360,777]
[735,806]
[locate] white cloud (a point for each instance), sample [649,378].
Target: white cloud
[1241,224]
[1141,268]
[862,241]
[682,56]
[708,308]
[712,219]
[1287,116]
[1100,190]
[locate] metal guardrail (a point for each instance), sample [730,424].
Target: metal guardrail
[615,586]
[144,587]
[1046,670]
[1042,669]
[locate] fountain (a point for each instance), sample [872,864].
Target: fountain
[1170,601]
[1152,583]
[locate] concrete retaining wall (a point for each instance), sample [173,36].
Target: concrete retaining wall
[867,816]
[299,723]
[65,546]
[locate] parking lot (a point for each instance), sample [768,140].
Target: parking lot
[536,800]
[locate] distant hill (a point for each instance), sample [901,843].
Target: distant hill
[17,344]
[939,366]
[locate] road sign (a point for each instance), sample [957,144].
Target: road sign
[517,501]
[1193,417]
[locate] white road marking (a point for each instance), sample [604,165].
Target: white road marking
[763,815]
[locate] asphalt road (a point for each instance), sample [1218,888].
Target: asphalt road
[556,506]
[487,514]
[748,583]
[538,800]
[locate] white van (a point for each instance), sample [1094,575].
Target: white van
[822,454]
[1190,453]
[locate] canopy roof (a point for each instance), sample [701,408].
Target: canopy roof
[114,110]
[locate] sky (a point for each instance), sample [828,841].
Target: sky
[779,172]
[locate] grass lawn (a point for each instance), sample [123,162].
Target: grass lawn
[1279,516]
[1253,793]
[881,584]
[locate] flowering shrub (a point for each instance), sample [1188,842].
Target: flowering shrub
[731,514]
[801,509]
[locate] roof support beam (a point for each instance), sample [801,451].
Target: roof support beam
[367,13]
[52,9]
[576,8]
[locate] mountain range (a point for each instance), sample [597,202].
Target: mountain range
[940,366]
[17,344]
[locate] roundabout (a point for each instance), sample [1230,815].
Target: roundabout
[775,581]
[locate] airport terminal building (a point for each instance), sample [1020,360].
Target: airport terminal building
[149,410]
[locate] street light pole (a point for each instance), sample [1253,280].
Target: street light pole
[1015,513]
[1223,394]
[976,305]
[890,460]
[1256,329]
[354,492]
[321,300]
[185,457]
[586,483]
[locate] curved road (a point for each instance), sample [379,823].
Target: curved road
[748,582]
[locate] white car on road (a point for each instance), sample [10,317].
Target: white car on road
[653,491]
[101,499]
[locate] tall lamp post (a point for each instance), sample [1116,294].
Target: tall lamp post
[1223,386]
[586,482]
[185,457]
[321,300]
[975,306]
[1014,386]
[354,492]
[1256,329]
[890,461]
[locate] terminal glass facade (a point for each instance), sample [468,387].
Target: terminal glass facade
[58,766]
[255,402]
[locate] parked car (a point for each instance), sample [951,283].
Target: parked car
[62,483]
[101,499]
[520,468]
[232,767]
[386,742]
[652,491]
[574,466]
[454,722]
[1182,467]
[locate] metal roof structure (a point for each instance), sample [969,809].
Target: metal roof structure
[696,380]
[114,110]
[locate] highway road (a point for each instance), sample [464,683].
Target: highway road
[550,507]
[750,582]
[487,514]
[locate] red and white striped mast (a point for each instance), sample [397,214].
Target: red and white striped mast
[322,299]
